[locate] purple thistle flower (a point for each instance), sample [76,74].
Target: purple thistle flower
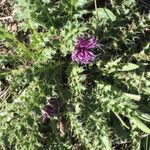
[50,109]
[83,50]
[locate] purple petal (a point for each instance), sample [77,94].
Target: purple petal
[50,109]
[89,43]
[45,116]
[83,56]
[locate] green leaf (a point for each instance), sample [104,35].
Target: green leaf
[146,90]
[128,3]
[46,1]
[73,2]
[106,142]
[81,3]
[145,117]
[140,125]
[105,14]
[129,66]
[133,96]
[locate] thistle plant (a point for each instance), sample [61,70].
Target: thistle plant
[75,75]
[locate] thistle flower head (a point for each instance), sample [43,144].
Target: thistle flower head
[83,50]
[50,109]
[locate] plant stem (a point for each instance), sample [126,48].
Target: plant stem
[121,120]
[95,2]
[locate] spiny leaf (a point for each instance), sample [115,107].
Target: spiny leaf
[129,67]
[140,125]
[104,13]
[133,96]
[128,3]
[145,117]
